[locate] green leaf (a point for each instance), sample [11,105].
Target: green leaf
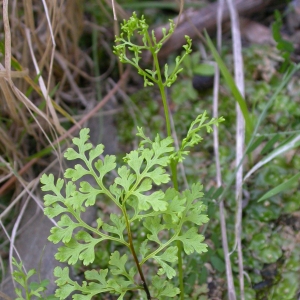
[163,288]
[119,227]
[64,231]
[71,154]
[193,138]
[134,160]
[74,251]
[126,178]
[194,209]
[117,264]
[19,293]
[116,192]
[176,205]
[81,141]
[144,248]
[76,173]
[161,148]
[195,193]
[217,263]
[70,188]
[96,152]
[91,192]
[104,167]
[159,176]
[19,275]
[231,84]
[97,276]
[119,285]
[192,241]
[64,291]
[36,285]
[87,290]
[49,185]
[77,199]
[170,255]
[65,284]
[51,199]
[196,217]
[154,226]
[155,200]
[281,188]
[99,222]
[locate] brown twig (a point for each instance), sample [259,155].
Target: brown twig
[68,133]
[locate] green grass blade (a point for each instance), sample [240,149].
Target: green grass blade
[286,78]
[231,84]
[280,188]
[270,144]
[255,144]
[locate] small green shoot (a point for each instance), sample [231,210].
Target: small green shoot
[31,289]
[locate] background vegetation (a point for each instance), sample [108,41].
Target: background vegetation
[58,71]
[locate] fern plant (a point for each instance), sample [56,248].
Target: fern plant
[171,218]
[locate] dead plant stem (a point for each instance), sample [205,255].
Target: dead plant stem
[229,277]
[240,135]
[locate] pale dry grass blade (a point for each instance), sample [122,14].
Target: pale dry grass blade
[41,60]
[229,277]
[43,86]
[7,40]
[12,204]
[11,92]
[75,127]
[14,74]
[240,134]
[114,10]
[54,3]
[275,153]
[9,100]
[116,7]
[14,234]
[7,143]
[71,80]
